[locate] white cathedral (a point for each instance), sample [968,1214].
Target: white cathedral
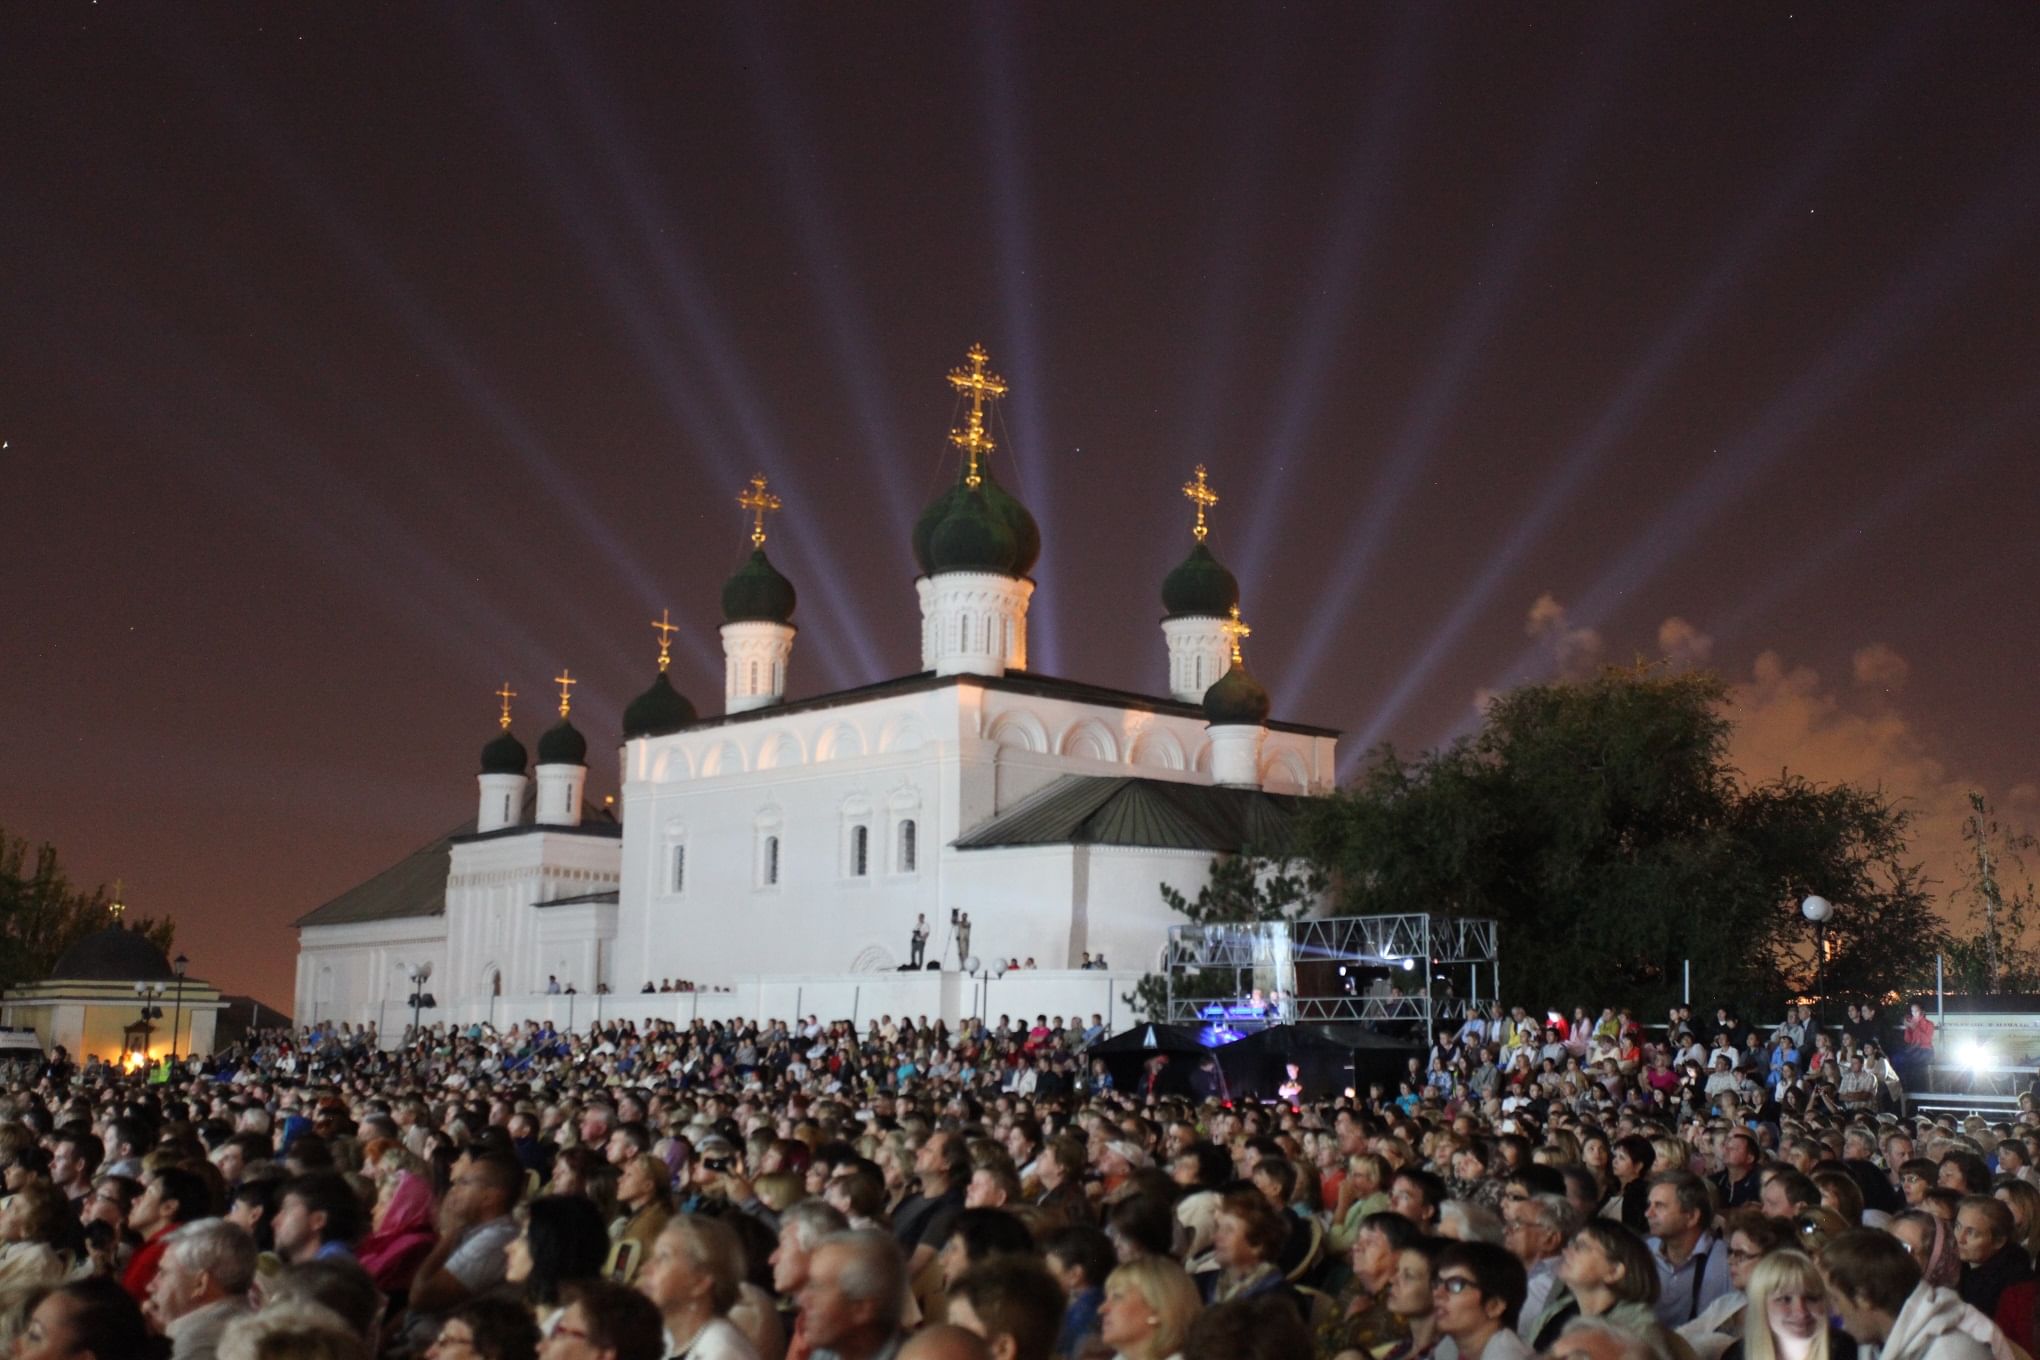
[778,854]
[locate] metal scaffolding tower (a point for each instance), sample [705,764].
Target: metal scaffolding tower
[1393,973]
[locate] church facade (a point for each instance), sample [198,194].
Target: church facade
[779,854]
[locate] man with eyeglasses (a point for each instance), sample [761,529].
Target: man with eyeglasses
[1476,1296]
[1535,1229]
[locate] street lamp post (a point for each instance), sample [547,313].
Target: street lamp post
[1816,909]
[150,993]
[419,1000]
[180,963]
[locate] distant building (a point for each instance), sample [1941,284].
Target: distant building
[783,850]
[93,1003]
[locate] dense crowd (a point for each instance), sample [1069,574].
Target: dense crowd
[814,1191]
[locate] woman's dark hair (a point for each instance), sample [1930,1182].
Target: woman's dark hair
[568,1241]
[503,1329]
[1638,1150]
[990,1232]
[1148,1223]
[106,1321]
[260,1191]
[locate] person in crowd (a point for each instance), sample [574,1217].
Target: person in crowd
[1360,1317]
[1787,1316]
[1417,1194]
[1747,1238]
[1877,1293]
[171,1197]
[90,1319]
[318,1218]
[604,1320]
[1613,1276]
[401,1232]
[1536,1227]
[1149,1308]
[1477,1295]
[201,1285]
[486,1329]
[1993,1260]
[1247,1239]
[1410,1296]
[475,1232]
[1630,1163]
[1079,1257]
[850,1307]
[1692,1263]
[1014,1303]
[562,1241]
[39,1228]
[644,1196]
[693,1276]
[1248,1329]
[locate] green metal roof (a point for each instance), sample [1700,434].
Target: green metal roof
[1162,814]
[416,884]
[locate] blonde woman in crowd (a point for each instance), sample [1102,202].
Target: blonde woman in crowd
[1149,1308]
[1787,1317]
[1750,1238]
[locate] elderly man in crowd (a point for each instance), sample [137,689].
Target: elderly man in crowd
[202,1285]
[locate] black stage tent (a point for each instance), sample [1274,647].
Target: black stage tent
[1329,1058]
[1127,1055]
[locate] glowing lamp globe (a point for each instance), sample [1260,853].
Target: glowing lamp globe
[1816,909]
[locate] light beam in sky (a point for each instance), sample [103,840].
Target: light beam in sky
[812,565]
[1394,83]
[1989,227]
[1032,472]
[1531,204]
[1659,362]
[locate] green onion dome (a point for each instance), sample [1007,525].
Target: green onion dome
[1236,698]
[562,745]
[971,537]
[659,710]
[995,502]
[504,755]
[756,594]
[1200,587]
[1026,533]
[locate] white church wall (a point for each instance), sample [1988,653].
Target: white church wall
[350,972]
[951,997]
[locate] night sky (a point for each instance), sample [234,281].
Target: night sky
[359,357]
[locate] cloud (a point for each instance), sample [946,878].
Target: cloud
[1682,644]
[1574,652]
[1787,718]
[1879,666]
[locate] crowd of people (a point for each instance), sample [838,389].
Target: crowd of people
[813,1191]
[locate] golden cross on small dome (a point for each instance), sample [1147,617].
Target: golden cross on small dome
[506,694]
[665,628]
[566,682]
[1235,628]
[972,438]
[116,906]
[1203,497]
[759,502]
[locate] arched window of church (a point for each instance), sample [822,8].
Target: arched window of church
[754,677]
[907,846]
[771,861]
[963,633]
[679,879]
[860,851]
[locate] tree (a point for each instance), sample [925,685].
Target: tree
[1250,887]
[42,914]
[1600,824]
[1993,957]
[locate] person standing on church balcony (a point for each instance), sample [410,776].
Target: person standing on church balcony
[920,941]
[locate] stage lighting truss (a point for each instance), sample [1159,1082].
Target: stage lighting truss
[1400,973]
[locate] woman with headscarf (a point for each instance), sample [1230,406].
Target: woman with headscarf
[401,1233]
